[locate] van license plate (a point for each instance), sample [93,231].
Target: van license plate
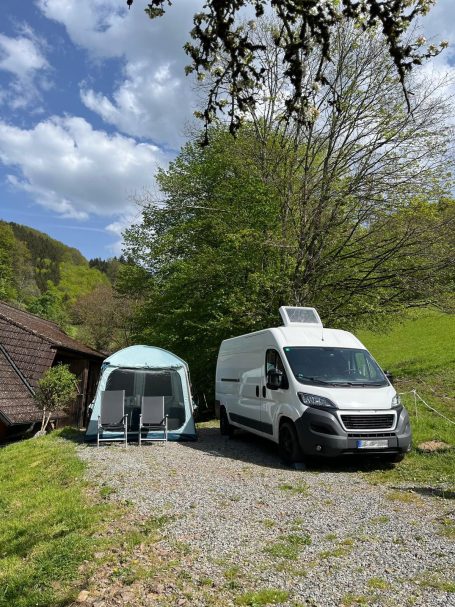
[372,444]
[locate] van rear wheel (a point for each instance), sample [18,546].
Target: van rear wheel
[225,427]
[290,450]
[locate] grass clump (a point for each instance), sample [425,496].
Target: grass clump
[299,489]
[48,524]
[447,528]
[406,497]
[381,519]
[268,596]
[354,600]
[436,582]
[378,583]
[339,551]
[288,546]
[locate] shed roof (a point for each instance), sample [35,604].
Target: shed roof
[45,329]
[28,347]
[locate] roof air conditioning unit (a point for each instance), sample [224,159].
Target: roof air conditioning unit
[294,316]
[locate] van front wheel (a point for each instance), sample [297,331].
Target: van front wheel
[225,427]
[290,450]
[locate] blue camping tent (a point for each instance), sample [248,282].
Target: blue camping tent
[147,371]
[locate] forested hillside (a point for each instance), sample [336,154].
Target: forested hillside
[48,278]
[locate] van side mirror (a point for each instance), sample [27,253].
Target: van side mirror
[275,379]
[389,376]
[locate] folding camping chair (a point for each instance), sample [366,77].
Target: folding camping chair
[112,415]
[152,417]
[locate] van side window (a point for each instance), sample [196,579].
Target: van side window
[273,361]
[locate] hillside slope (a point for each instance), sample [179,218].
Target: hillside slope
[420,352]
[42,274]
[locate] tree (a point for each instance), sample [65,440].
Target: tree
[55,392]
[349,214]
[363,168]
[110,266]
[7,246]
[50,306]
[303,28]
[104,318]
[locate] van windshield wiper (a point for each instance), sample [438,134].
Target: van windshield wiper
[357,383]
[301,377]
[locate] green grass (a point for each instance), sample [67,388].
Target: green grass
[48,524]
[267,596]
[378,583]
[420,353]
[422,344]
[300,489]
[288,546]
[354,600]
[436,582]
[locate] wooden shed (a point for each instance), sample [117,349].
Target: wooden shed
[29,345]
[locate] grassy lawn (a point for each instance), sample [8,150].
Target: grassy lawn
[48,524]
[420,353]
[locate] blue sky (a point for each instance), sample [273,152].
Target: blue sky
[93,99]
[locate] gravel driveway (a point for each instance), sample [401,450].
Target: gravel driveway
[245,530]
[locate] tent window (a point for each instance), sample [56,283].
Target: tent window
[158,384]
[138,383]
[121,380]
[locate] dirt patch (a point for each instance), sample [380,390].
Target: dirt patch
[433,446]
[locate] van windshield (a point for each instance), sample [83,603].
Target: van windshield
[334,366]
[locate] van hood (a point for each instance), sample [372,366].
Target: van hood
[374,398]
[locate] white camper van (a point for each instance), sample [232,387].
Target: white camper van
[312,390]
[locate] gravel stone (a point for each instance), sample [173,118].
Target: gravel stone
[240,520]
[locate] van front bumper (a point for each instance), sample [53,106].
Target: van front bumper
[320,433]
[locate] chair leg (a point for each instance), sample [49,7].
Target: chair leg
[98,434]
[140,430]
[125,428]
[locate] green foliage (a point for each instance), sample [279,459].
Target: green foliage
[228,249]
[42,246]
[208,266]
[110,267]
[104,318]
[77,280]
[47,523]
[49,305]
[56,389]
[46,254]
[45,276]
[7,246]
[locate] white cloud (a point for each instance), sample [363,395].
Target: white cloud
[23,59]
[438,24]
[74,170]
[436,27]
[154,100]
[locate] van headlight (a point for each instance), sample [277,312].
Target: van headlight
[312,400]
[396,401]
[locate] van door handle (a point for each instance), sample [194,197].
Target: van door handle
[263,392]
[257,391]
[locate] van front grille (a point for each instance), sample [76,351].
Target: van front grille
[368,422]
[371,434]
